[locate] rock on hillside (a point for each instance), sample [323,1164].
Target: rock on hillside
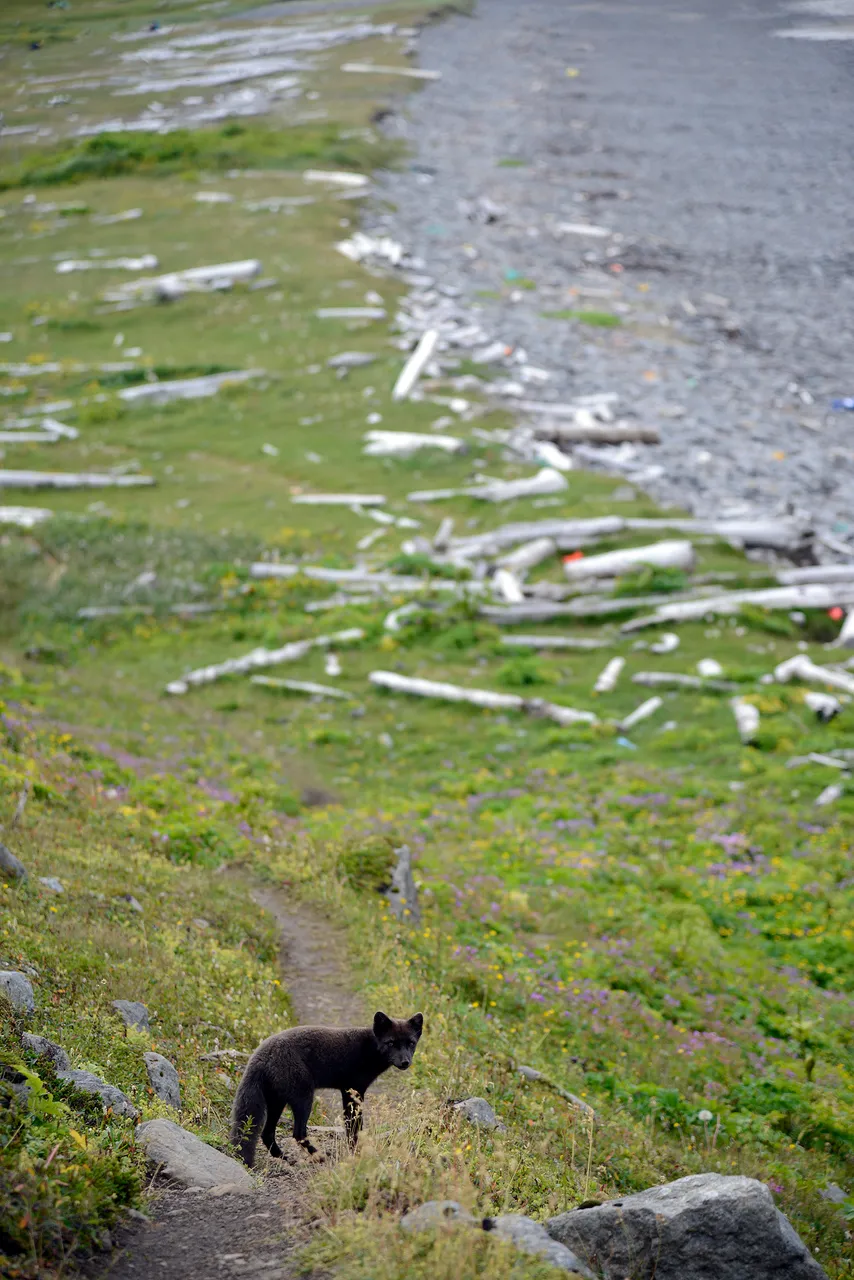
[706,1227]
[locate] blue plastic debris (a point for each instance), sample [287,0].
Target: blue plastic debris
[846,402]
[624,742]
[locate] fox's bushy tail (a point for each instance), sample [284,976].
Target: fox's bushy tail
[247,1115]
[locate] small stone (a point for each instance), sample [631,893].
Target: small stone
[51,883]
[228,1189]
[132,1014]
[44,1048]
[11,868]
[112,1097]
[530,1073]
[164,1079]
[18,991]
[531,1237]
[478,1112]
[201,923]
[434,1213]
[133,903]
[185,1159]
[136,1215]
[833,1193]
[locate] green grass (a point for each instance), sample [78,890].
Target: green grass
[665,926]
[598,319]
[233,146]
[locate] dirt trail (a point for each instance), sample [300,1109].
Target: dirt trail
[194,1235]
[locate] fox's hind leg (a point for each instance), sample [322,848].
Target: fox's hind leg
[301,1107]
[275,1107]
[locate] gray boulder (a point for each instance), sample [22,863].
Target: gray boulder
[112,1097]
[164,1079]
[478,1112]
[18,990]
[529,1236]
[44,1048]
[11,868]
[132,1014]
[436,1213]
[184,1158]
[706,1227]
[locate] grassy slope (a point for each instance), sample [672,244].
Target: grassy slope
[662,930]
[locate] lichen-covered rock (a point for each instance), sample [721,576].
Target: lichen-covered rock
[133,1014]
[184,1158]
[112,1097]
[11,868]
[18,990]
[164,1079]
[44,1048]
[52,884]
[478,1112]
[437,1213]
[531,1237]
[705,1227]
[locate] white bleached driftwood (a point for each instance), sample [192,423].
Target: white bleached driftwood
[148,262]
[677,680]
[415,365]
[598,407]
[824,705]
[364,579]
[746,719]
[663,555]
[339,499]
[24,517]
[816,573]
[350,313]
[597,432]
[608,678]
[402,444]
[666,643]
[336,178]
[70,480]
[361,246]
[300,686]
[643,712]
[175,284]
[258,658]
[478,697]
[829,795]
[588,230]
[546,481]
[770,533]
[186,388]
[529,555]
[845,639]
[554,642]
[803,668]
[372,69]
[566,534]
[808,596]
[550,455]
[351,360]
[709,668]
[507,587]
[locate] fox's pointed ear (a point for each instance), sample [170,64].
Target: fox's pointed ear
[417,1022]
[382,1022]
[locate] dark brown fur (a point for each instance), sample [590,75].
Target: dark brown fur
[286,1069]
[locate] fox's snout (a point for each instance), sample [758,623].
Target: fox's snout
[403,1066]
